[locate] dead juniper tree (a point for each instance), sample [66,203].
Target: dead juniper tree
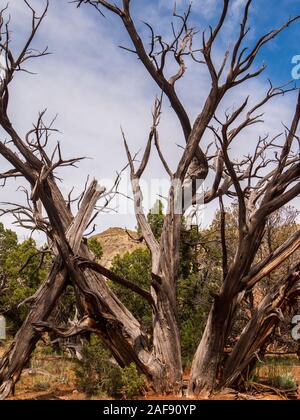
[33,160]
[261,183]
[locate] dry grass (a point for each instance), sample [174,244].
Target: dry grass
[278,372]
[47,377]
[52,377]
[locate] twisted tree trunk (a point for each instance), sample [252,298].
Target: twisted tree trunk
[257,334]
[211,369]
[19,353]
[113,322]
[166,333]
[207,363]
[166,343]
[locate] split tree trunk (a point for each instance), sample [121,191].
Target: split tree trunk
[210,369]
[166,332]
[19,353]
[166,344]
[115,324]
[206,367]
[206,372]
[257,334]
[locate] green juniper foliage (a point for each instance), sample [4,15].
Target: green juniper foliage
[193,292]
[98,374]
[22,269]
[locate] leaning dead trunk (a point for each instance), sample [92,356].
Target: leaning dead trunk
[257,333]
[115,324]
[206,372]
[210,368]
[19,353]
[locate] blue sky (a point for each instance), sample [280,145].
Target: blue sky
[95,87]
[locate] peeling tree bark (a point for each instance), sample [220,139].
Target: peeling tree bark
[258,332]
[19,353]
[207,364]
[114,323]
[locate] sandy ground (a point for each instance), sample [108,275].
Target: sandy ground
[53,378]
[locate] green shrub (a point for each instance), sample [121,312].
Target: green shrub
[93,371]
[131,382]
[287,381]
[47,350]
[96,248]
[135,267]
[277,373]
[98,374]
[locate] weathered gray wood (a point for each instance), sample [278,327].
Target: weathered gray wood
[256,335]
[114,323]
[273,261]
[19,353]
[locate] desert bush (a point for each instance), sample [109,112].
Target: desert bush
[47,350]
[98,374]
[93,371]
[287,381]
[126,383]
[277,373]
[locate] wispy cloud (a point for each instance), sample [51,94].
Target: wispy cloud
[95,87]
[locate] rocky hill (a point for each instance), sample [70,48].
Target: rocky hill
[116,241]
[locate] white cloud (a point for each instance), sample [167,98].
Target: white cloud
[95,88]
